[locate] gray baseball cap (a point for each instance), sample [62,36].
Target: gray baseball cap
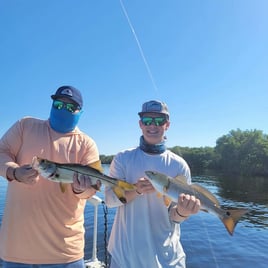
[154,106]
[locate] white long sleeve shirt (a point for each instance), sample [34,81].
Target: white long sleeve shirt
[142,234]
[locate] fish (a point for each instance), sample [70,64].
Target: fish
[63,173]
[171,188]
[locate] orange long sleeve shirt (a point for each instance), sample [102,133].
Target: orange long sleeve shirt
[42,225]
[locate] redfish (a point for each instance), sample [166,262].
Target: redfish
[173,187]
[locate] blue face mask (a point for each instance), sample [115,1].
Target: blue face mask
[62,120]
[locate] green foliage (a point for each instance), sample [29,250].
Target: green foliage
[243,152]
[106,159]
[199,159]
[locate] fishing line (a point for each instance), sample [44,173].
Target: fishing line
[192,244]
[139,46]
[210,247]
[209,242]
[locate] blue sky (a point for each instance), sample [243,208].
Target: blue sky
[207,59]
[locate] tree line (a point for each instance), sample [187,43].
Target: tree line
[241,153]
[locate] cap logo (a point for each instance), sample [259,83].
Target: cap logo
[154,107]
[67,91]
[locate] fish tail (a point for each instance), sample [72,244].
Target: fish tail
[120,189]
[120,193]
[231,218]
[126,185]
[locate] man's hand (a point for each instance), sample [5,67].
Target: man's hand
[144,186]
[187,205]
[82,182]
[24,174]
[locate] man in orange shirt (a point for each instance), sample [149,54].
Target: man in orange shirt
[41,225]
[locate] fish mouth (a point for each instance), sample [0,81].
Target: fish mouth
[150,173]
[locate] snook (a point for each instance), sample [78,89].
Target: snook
[173,187]
[63,173]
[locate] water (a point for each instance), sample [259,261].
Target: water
[205,240]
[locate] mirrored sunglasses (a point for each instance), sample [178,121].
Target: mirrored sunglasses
[158,121]
[71,107]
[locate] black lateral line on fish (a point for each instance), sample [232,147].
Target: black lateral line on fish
[100,176]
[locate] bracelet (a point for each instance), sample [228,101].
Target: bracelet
[182,216]
[14,175]
[138,192]
[8,173]
[75,192]
[9,179]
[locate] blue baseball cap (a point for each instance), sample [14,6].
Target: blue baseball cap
[69,92]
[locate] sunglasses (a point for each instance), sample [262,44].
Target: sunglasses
[158,121]
[71,107]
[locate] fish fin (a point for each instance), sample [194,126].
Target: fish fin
[159,195]
[181,178]
[167,201]
[125,185]
[231,217]
[119,190]
[63,187]
[198,188]
[97,165]
[34,163]
[120,193]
